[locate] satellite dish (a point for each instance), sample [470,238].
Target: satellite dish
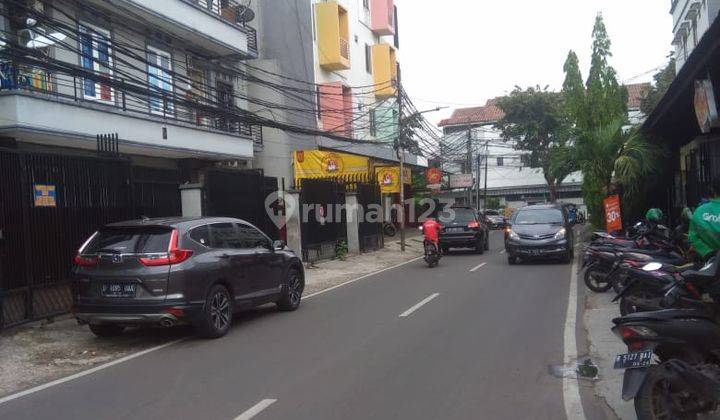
[245,14]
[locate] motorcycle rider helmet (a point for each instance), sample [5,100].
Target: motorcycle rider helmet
[654,215]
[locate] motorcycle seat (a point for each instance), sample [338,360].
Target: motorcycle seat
[663,315]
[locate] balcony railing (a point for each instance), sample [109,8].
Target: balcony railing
[230,11]
[71,89]
[344,48]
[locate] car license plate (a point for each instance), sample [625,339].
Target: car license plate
[455,230]
[633,360]
[119,290]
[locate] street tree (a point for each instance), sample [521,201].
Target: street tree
[534,119]
[663,80]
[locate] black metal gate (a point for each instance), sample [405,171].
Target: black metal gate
[370,228]
[49,205]
[324,220]
[156,192]
[240,194]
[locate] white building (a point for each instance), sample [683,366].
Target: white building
[509,177]
[691,19]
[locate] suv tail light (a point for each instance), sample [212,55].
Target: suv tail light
[85,261]
[173,256]
[474,225]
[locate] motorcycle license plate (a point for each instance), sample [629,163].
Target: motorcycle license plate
[633,360]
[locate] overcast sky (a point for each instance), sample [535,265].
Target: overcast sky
[463,52]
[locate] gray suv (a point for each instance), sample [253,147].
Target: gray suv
[181,271]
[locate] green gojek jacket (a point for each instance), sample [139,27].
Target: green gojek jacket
[704,234]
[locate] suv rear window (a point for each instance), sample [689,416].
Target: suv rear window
[130,240]
[464,215]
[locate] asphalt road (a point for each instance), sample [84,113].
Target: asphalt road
[469,344]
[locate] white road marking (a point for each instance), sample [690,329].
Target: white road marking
[256,409]
[571,389]
[474,269]
[78,375]
[360,278]
[418,305]
[21,394]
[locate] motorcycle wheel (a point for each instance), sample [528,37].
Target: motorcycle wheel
[389,230]
[596,280]
[656,399]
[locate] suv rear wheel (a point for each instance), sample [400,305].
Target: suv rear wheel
[217,313]
[292,293]
[106,330]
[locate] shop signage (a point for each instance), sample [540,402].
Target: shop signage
[389,178]
[705,105]
[613,219]
[322,164]
[461,181]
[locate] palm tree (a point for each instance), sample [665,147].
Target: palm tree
[611,156]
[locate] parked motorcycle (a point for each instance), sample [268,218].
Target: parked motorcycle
[432,253]
[685,382]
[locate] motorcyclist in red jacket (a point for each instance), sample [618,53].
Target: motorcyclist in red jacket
[431,230]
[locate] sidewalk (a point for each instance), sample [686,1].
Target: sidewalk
[40,352]
[604,346]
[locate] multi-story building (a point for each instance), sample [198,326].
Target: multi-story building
[356,50]
[509,176]
[691,19]
[181,52]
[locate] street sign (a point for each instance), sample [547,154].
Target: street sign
[613,219]
[461,181]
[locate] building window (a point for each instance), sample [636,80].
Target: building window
[160,80]
[500,161]
[366,4]
[368,58]
[96,57]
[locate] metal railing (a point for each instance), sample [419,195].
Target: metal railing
[230,11]
[72,89]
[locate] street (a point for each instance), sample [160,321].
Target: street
[464,340]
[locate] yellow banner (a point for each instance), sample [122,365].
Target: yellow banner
[322,164]
[389,178]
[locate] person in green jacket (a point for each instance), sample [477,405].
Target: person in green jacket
[704,234]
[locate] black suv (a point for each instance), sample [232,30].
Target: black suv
[181,271]
[539,231]
[462,227]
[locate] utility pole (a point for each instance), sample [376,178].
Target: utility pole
[477,184]
[401,158]
[487,158]
[469,164]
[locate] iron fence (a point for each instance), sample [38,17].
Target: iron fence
[50,204]
[324,219]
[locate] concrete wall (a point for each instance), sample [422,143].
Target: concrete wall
[285,44]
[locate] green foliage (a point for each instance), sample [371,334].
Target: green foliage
[663,80]
[341,250]
[535,119]
[493,203]
[573,88]
[606,99]
[607,155]
[419,182]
